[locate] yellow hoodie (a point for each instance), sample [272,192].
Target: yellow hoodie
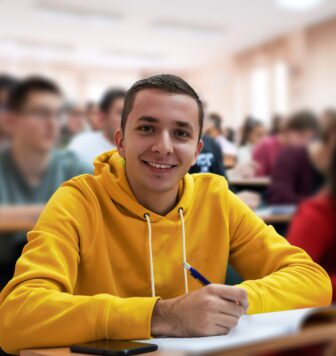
[85,271]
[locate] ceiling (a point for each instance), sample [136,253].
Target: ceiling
[144,33]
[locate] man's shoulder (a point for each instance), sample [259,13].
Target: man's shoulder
[209,182]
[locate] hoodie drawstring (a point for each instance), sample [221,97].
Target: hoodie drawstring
[150,255]
[180,210]
[184,251]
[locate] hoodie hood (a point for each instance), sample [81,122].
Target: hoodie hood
[110,171]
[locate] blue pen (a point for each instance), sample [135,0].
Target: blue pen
[196,274]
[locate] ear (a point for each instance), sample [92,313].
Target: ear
[198,151]
[119,141]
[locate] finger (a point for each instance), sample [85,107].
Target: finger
[228,320]
[231,308]
[232,293]
[222,329]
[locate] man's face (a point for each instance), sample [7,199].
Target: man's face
[160,142]
[37,124]
[113,117]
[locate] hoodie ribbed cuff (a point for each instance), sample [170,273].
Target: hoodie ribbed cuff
[253,296]
[128,318]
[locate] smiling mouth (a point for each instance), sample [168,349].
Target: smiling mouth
[162,166]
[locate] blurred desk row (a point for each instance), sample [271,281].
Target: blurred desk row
[23,218]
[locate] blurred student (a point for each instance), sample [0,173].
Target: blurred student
[294,177]
[253,131]
[214,129]
[30,169]
[314,225]
[92,115]
[75,123]
[266,152]
[210,159]
[7,83]
[89,145]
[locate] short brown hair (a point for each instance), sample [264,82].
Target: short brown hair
[165,82]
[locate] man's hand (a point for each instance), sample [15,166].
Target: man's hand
[211,310]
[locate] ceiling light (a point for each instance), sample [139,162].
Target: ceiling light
[187,28]
[298,5]
[52,9]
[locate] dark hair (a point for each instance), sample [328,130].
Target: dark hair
[249,125]
[21,91]
[302,120]
[109,97]
[7,82]
[166,82]
[216,120]
[230,134]
[276,124]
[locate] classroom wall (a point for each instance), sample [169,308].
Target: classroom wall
[225,85]
[309,56]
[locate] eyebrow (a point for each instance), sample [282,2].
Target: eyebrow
[152,119]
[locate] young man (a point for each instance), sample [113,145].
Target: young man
[89,145]
[30,169]
[107,252]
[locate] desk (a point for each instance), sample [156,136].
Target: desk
[310,336]
[276,214]
[18,217]
[252,182]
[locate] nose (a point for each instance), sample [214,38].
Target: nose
[163,144]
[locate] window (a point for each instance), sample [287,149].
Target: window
[281,88]
[260,98]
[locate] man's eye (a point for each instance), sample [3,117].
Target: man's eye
[181,133]
[146,129]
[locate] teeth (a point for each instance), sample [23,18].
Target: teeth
[161,166]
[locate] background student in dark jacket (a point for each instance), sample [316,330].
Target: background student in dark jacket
[294,176]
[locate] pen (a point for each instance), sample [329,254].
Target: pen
[196,274]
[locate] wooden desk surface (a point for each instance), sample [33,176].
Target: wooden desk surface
[18,218]
[253,181]
[310,336]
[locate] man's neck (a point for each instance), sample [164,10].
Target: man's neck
[31,163]
[160,203]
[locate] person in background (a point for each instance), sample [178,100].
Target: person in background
[313,227]
[294,177]
[253,131]
[276,124]
[88,145]
[92,115]
[30,168]
[229,134]
[7,83]
[75,123]
[214,129]
[210,160]
[266,152]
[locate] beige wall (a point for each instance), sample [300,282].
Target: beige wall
[310,55]
[225,86]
